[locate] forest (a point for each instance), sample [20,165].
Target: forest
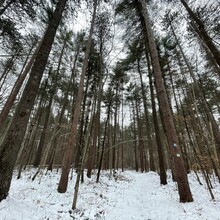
[99,90]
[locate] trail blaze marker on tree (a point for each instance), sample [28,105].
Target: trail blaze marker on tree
[178,155]
[174,145]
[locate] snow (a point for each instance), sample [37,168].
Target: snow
[128,196]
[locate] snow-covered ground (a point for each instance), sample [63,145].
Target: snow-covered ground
[130,196]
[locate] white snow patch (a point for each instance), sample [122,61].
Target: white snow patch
[130,196]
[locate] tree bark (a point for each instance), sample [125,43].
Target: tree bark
[67,160]
[14,137]
[96,130]
[134,136]
[200,29]
[148,126]
[174,148]
[104,138]
[215,127]
[140,137]
[56,130]
[160,150]
[10,101]
[40,148]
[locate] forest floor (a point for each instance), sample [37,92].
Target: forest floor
[128,196]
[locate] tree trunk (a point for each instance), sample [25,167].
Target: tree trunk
[134,137]
[160,150]
[67,160]
[122,134]
[83,125]
[13,140]
[82,160]
[200,29]
[215,127]
[92,152]
[148,126]
[96,131]
[39,152]
[140,137]
[104,140]
[56,130]
[11,98]
[178,164]
[7,68]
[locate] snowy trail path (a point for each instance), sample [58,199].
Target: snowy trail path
[138,200]
[133,196]
[146,199]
